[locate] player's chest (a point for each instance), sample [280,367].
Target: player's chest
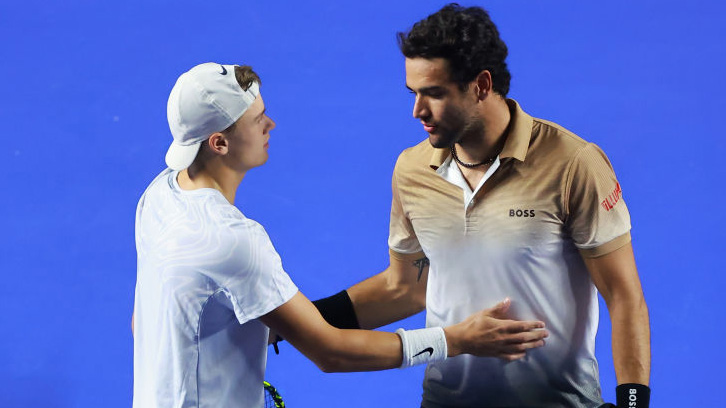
[509,206]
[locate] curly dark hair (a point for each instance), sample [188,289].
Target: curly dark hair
[467,38]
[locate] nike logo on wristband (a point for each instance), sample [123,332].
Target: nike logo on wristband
[430,350]
[224,70]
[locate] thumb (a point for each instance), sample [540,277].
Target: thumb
[500,309]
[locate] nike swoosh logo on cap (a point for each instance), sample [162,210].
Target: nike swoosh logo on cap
[224,70]
[429,349]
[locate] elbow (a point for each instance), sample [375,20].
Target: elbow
[342,359]
[327,357]
[633,300]
[627,306]
[414,298]
[330,364]
[419,301]
[413,295]
[328,368]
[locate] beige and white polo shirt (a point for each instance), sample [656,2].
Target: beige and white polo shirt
[549,199]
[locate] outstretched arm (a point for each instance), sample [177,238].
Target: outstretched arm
[332,349]
[484,333]
[394,294]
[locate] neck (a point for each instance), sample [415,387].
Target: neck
[211,175]
[486,140]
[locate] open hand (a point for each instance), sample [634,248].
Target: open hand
[488,333]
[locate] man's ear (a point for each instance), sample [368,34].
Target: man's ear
[483,84]
[218,143]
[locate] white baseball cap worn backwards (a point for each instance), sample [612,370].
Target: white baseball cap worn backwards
[206,99]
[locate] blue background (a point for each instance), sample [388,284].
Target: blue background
[84,87]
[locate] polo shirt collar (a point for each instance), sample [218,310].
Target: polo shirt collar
[516,145]
[520,133]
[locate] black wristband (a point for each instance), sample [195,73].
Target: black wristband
[632,396]
[338,311]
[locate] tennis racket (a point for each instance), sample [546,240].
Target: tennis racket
[272,397]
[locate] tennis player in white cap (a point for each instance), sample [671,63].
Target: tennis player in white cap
[210,283]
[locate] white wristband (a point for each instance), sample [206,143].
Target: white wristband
[423,346]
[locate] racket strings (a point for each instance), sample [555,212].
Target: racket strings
[272,397]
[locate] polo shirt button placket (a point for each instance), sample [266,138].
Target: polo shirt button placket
[467,216]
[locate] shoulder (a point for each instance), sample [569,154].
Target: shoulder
[420,153]
[556,138]
[159,185]
[205,218]
[238,244]
[555,146]
[415,158]
[229,219]
[414,166]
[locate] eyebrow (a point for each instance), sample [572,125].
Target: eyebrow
[261,114]
[427,89]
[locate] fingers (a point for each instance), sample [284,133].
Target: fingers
[512,357]
[500,309]
[491,333]
[519,337]
[515,351]
[522,347]
[528,337]
[516,326]
[516,346]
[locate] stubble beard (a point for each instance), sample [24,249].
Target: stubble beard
[443,140]
[470,129]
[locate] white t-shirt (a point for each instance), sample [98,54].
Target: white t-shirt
[205,274]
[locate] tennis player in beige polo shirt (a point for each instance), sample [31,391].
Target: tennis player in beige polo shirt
[497,204]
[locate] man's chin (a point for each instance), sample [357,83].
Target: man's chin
[439,142]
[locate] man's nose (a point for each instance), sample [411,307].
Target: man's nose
[420,110]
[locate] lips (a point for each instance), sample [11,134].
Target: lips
[428,127]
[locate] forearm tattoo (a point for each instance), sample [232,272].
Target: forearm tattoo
[421,264]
